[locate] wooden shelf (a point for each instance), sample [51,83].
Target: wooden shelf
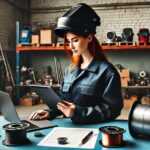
[126,47]
[105,48]
[137,87]
[40,48]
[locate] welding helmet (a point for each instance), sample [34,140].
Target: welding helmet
[80,19]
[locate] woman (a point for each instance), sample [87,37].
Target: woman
[91,90]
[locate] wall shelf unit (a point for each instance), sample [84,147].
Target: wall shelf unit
[41,48]
[105,48]
[126,47]
[112,47]
[139,91]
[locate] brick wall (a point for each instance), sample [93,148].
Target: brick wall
[117,19]
[115,14]
[57,3]
[10,11]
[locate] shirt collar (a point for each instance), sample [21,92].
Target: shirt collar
[92,66]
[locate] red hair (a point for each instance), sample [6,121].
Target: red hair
[94,49]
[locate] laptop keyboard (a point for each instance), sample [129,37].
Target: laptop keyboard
[32,126]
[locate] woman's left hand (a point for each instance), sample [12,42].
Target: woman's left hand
[66,108]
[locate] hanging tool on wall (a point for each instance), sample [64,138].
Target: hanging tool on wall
[10,81]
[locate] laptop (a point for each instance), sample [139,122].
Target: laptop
[8,110]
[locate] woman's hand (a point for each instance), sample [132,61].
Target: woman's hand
[39,115]
[66,108]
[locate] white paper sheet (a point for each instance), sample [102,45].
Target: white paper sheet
[74,136]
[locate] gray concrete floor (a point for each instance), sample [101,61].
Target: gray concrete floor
[27,110]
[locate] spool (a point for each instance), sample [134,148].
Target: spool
[15,134]
[142,74]
[139,120]
[112,136]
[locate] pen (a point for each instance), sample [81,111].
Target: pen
[86,138]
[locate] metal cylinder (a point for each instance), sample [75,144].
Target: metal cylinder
[139,120]
[15,134]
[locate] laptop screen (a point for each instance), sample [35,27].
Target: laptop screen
[7,108]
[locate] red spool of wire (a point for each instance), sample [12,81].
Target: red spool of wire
[112,136]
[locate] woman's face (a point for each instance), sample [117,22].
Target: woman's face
[78,44]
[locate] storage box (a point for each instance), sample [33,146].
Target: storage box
[125,73]
[129,102]
[145,100]
[28,101]
[45,36]
[35,40]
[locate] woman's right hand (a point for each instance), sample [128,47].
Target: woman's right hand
[39,115]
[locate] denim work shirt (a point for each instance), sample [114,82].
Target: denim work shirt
[96,92]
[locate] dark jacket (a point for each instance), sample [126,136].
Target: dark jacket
[96,91]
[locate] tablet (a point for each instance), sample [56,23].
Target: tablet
[48,95]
